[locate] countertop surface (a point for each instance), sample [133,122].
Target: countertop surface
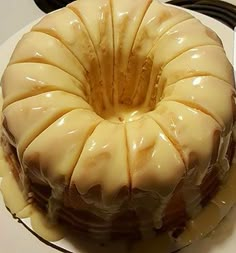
[15,14]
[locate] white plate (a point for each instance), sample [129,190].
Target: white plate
[15,238]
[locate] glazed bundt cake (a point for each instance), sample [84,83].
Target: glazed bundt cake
[118,115]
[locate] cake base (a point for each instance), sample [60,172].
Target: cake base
[174,221]
[212,214]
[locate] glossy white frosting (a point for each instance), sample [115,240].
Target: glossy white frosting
[113,97]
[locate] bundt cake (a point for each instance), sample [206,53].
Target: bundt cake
[118,116]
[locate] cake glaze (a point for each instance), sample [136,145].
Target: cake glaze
[115,115]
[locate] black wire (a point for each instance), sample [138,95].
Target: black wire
[209,2]
[221,4]
[220,10]
[223,15]
[50,5]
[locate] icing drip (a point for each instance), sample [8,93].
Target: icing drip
[196,228]
[23,207]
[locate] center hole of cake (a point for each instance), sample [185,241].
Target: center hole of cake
[125,97]
[120,111]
